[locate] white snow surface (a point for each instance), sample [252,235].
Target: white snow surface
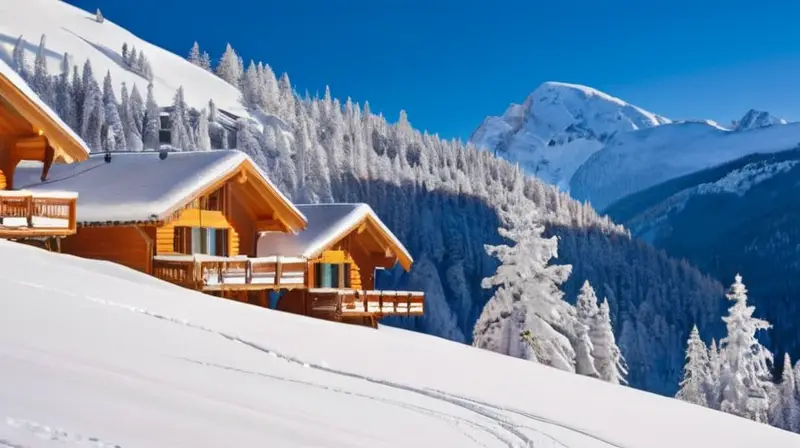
[74,31]
[14,77]
[134,186]
[740,181]
[634,161]
[93,354]
[558,127]
[327,223]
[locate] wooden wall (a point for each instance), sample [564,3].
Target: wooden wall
[123,245]
[348,250]
[2,179]
[243,221]
[165,234]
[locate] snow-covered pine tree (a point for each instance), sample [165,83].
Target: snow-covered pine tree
[93,119]
[136,111]
[124,110]
[247,142]
[695,382]
[20,60]
[203,135]
[251,88]
[65,100]
[194,54]
[608,358]
[180,129]
[41,77]
[745,377]
[98,16]
[785,406]
[528,297]
[124,51]
[116,129]
[205,61]
[133,57]
[586,309]
[228,66]
[714,365]
[78,97]
[151,123]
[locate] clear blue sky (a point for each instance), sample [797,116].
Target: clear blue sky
[450,63]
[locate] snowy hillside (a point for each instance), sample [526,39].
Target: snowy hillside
[558,127]
[757,119]
[74,31]
[93,354]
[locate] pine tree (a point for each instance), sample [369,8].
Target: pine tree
[228,66]
[785,407]
[152,120]
[125,52]
[78,97]
[714,365]
[179,123]
[98,16]
[608,358]
[20,61]
[586,309]
[93,120]
[113,121]
[133,58]
[251,88]
[41,78]
[205,61]
[124,112]
[745,372]
[64,97]
[696,378]
[194,54]
[528,297]
[135,113]
[203,135]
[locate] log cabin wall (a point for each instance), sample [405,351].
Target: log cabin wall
[243,221]
[124,245]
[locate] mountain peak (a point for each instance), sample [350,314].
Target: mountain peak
[558,126]
[754,119]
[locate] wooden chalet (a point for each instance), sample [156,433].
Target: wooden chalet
[32,131]
[212,221]
[343,247]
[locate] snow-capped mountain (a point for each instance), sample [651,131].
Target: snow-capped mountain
[756,119]
[558,127]
[74,31]
[94,354]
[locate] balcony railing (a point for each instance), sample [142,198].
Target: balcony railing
[213,273]
[28,214]
[349,302]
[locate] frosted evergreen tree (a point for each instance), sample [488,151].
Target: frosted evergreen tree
[608,359]
[152,124]
[20,60]
[65,100]
[528,297]
[125,52]
[41,77]
[98,16]
[251,88]
[180,127]
[124,110]
[696,378]
[136,111]
[93,119]
[586,309]
[205,61]
[113,120]
[228,66]
[133,57]
[745,371]
[203,134]
[78,97]
[785,406]
[194,54]
[247,142]
[714,365]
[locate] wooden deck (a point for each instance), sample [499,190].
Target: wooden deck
[210,273]
[25,214]
[344,303]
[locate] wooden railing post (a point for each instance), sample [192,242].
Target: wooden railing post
[73,214]
[278,271]
[29,210]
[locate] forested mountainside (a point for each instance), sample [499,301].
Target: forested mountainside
[440,197]
[738,217]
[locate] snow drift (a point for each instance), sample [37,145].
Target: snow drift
[95,354]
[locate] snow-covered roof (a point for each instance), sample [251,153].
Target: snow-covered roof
[140,186]
[327,224]
[17,92]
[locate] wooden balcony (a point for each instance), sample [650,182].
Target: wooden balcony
[24,214]
[343,303]
[212,273]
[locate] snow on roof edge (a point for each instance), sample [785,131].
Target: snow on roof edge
[361,211]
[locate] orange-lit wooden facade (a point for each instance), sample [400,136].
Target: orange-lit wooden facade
[29,131]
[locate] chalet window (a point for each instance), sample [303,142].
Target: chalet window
[327,275]
[201,240]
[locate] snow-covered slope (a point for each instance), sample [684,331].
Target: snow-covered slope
[757,119]
[94,354]
[633,161]
[74,31]
[558,127]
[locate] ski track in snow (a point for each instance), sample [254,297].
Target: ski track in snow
[54,434]
[500,426]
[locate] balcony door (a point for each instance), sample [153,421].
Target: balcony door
[327,275]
